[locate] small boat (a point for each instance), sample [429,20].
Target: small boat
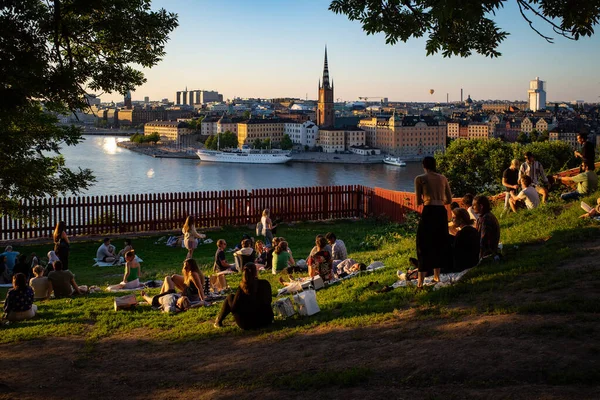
[245,156]
[394,161]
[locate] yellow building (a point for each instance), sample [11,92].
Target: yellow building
[409,137]
[340,139]
[168,130]
[249,131]
[478,131]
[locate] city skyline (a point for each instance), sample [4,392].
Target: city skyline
[272,49]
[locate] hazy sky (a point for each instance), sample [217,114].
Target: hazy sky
[274,48]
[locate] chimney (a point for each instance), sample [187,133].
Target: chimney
[461,95]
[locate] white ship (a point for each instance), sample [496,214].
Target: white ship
[394,161]
[246,156]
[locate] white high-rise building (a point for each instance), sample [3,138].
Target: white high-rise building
[537,94]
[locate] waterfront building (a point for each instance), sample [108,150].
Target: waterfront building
[365,150]
[302,133]
[333,140]
[537,94]
[260,128]
[325,106]
[408,137]
[228,123]
[169,131]
[209,126]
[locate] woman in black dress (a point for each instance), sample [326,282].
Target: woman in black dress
[433,248]
[251,304]
[61,244]
[465,247]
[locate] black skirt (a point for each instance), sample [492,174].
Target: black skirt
[433,248]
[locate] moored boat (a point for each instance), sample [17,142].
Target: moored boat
[394,161]
[245,156]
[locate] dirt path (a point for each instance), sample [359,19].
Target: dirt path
[511,356]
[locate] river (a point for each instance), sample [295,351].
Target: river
[120,171]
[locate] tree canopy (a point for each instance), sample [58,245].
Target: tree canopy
[459,28]
[52,54]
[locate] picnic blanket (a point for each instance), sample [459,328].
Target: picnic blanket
[144,285]
[99,263]
[445,280]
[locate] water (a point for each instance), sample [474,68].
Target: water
[120,171]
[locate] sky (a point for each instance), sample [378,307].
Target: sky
[274,48]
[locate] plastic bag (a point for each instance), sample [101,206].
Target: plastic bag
[284,307]
[307,302]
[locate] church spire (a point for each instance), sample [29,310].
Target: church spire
[325,72]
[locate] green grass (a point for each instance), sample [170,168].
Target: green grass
[535,243]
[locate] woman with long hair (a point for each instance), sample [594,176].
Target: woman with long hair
[433,248]
[190,236]
[251,304]
[191,281]
[267,226]
[488,227]
[320,262]
[61,244]
[282,258]
[19,300]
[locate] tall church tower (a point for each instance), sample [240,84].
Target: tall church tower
[325,112]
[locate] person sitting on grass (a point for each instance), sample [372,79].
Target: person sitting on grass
[320,262]
[131,277]
[5,276]
[338,249]
[270,252]
[128,246]
[63,282]
[22,266]
[52,258]
[251,304]
[528,195]
[42,288]
[221,264]
[169,301]
[465,247]
[261,255]
[587,182]
[467,201]
[534,169]
[246,253]
[106,252]
[191,281]
[282,259]
[589,211]
[315,249]
[488,227]
[18,305]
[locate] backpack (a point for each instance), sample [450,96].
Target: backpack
[259,228]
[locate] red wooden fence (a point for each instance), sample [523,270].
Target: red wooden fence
[99,215]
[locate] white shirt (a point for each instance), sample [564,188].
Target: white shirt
[531,197]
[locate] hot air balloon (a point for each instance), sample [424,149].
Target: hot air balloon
[431,91]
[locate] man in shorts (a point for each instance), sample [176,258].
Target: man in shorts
[528,195]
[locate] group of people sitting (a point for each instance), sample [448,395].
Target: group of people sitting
[527,185]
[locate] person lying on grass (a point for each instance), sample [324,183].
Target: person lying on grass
[169,301]
[251,304]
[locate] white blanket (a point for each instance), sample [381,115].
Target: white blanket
[114,289]
[445,280]
[99,263]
